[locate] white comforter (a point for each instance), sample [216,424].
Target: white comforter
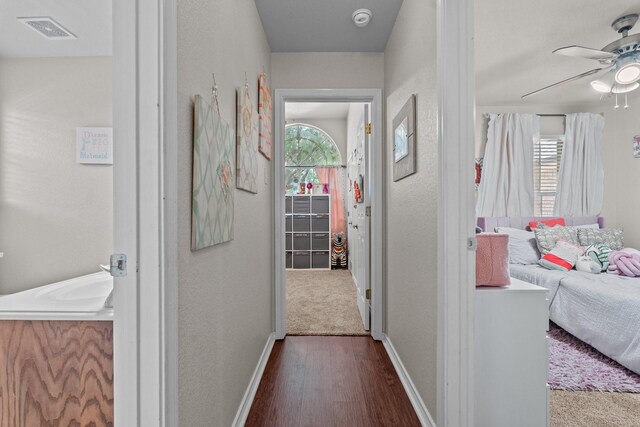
[602,310]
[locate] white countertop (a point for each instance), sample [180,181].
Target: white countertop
[80,298]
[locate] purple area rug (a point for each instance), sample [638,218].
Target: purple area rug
[576,366]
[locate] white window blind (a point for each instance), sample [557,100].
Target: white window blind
[547,152]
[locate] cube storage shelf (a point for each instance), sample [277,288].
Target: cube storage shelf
[308,231]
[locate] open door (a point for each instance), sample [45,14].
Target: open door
[360,222]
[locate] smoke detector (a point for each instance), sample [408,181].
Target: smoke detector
[47,27]
[361,17]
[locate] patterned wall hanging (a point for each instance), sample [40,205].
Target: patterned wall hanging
[247,143]
[265,110]
[212,196]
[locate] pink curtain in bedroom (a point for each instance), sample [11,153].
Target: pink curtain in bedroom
[331,175]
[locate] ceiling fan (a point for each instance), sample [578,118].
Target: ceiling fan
[620,61]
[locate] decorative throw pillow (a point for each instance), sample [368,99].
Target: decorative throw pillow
[562,257]
[600,254]
[611,237]
[546,222]
[546,238]
[522,245]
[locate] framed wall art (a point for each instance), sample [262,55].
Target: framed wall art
[404,140]
[636,146]
[213,177]
[264,117]
[247,143]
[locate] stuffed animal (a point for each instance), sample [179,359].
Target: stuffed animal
[588,265]
[338,251]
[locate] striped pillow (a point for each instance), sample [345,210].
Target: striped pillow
[599,253]
[562,257]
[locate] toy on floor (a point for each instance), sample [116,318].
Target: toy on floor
[338,251]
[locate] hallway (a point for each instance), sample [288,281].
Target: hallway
[330,381]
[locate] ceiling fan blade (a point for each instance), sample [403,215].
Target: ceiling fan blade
[569,80]
[586,52]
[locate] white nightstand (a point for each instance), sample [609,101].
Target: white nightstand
[512,356]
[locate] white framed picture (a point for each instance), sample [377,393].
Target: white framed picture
[404,140]
[636,146]
[94,145]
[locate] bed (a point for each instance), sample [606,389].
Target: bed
[602,310]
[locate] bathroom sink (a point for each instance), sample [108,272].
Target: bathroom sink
[78,290]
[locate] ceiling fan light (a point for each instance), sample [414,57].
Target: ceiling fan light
[601,86]
[628,73]
[625,88]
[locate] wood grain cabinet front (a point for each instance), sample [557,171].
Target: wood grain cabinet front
[56,373]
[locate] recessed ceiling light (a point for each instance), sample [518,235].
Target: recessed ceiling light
[361,17]
[47,27]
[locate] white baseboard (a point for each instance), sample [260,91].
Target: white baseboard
[250,394]
[418,404]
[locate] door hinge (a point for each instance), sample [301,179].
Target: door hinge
[367,294]
[367,128]
[472,243]
[367,211]
[118,263]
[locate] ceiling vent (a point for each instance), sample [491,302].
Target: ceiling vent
[47,27]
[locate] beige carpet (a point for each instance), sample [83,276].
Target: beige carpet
[322,303]
[594,409]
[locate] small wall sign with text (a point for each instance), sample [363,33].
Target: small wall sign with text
[94,146]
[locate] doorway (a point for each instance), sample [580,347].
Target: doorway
[356,173]
[326,234]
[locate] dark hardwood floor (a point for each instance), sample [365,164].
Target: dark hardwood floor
[328,381]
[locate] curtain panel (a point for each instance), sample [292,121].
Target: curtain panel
[580,187]
[334,177]
[506,188]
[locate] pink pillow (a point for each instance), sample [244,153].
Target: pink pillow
[562,257]
[548,222]
[492,260]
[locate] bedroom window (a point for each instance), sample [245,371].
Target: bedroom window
[547,153]
[305,147]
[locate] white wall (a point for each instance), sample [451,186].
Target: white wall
[411,208]
[621,170]
[335,128]
[332,70]
[225,292]
[56,216]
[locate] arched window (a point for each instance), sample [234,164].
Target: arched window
[305,147]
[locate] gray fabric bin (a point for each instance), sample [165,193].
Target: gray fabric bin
[320,222]
[301,205]
[320,204]
[301,260]
[320,259]
[301,241]
[320,242]
[301,223]
[289,260]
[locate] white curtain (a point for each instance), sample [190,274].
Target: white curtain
[506,187]
[581,179]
